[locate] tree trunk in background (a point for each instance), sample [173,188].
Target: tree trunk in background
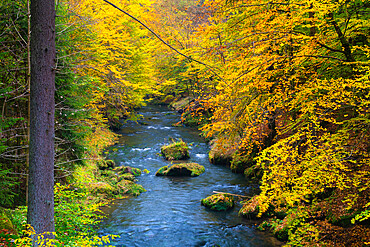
[41,154]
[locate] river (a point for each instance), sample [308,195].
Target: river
[169,213]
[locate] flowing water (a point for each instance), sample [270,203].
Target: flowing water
[169,213]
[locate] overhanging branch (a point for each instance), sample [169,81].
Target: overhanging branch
[164,42]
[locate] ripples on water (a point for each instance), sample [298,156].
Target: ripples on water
[169,213]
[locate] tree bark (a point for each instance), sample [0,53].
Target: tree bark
[42,107]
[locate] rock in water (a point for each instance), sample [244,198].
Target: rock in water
[182,169]
[218,202]
[178,150]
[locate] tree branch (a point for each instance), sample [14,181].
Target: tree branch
[329,48]
[346,47]
[164,42]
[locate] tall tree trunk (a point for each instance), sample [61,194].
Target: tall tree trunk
[42,106]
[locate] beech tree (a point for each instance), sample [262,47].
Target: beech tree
[42,108]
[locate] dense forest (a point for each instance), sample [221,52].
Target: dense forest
[281,91]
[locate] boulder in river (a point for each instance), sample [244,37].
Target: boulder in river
[128,169]
[177,150]
[218,202]
[182,169]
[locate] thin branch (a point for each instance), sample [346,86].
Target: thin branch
[329,48]
[164,42]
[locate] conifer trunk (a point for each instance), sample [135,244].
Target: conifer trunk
[42,106]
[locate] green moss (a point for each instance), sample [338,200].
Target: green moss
[195,117]
[177,150]
[278,227]
[220,154]
[126,176]
[129,187]
[108,173]
[102,187]
[161,171]
[218,202]
[127,169]
[106,164]
[250,209]
[182,169]
[188,120]
[136,172]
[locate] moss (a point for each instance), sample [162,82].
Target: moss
[177,150]
[106,164]
[250,209]
[127,169]
[161,171]
[126,176]
[108,173]
[129,187]
[182,169]
[218,202]
[102,187]
[220,154]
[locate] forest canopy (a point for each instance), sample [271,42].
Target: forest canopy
[283,86]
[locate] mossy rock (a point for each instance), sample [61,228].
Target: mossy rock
[106,164]
[282,228]
[108,173]
[250,209]
[220,154]
[182,169]
[178,150]
[162,171]
[126,176]
[218,202]
[129,187]
[128,169]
